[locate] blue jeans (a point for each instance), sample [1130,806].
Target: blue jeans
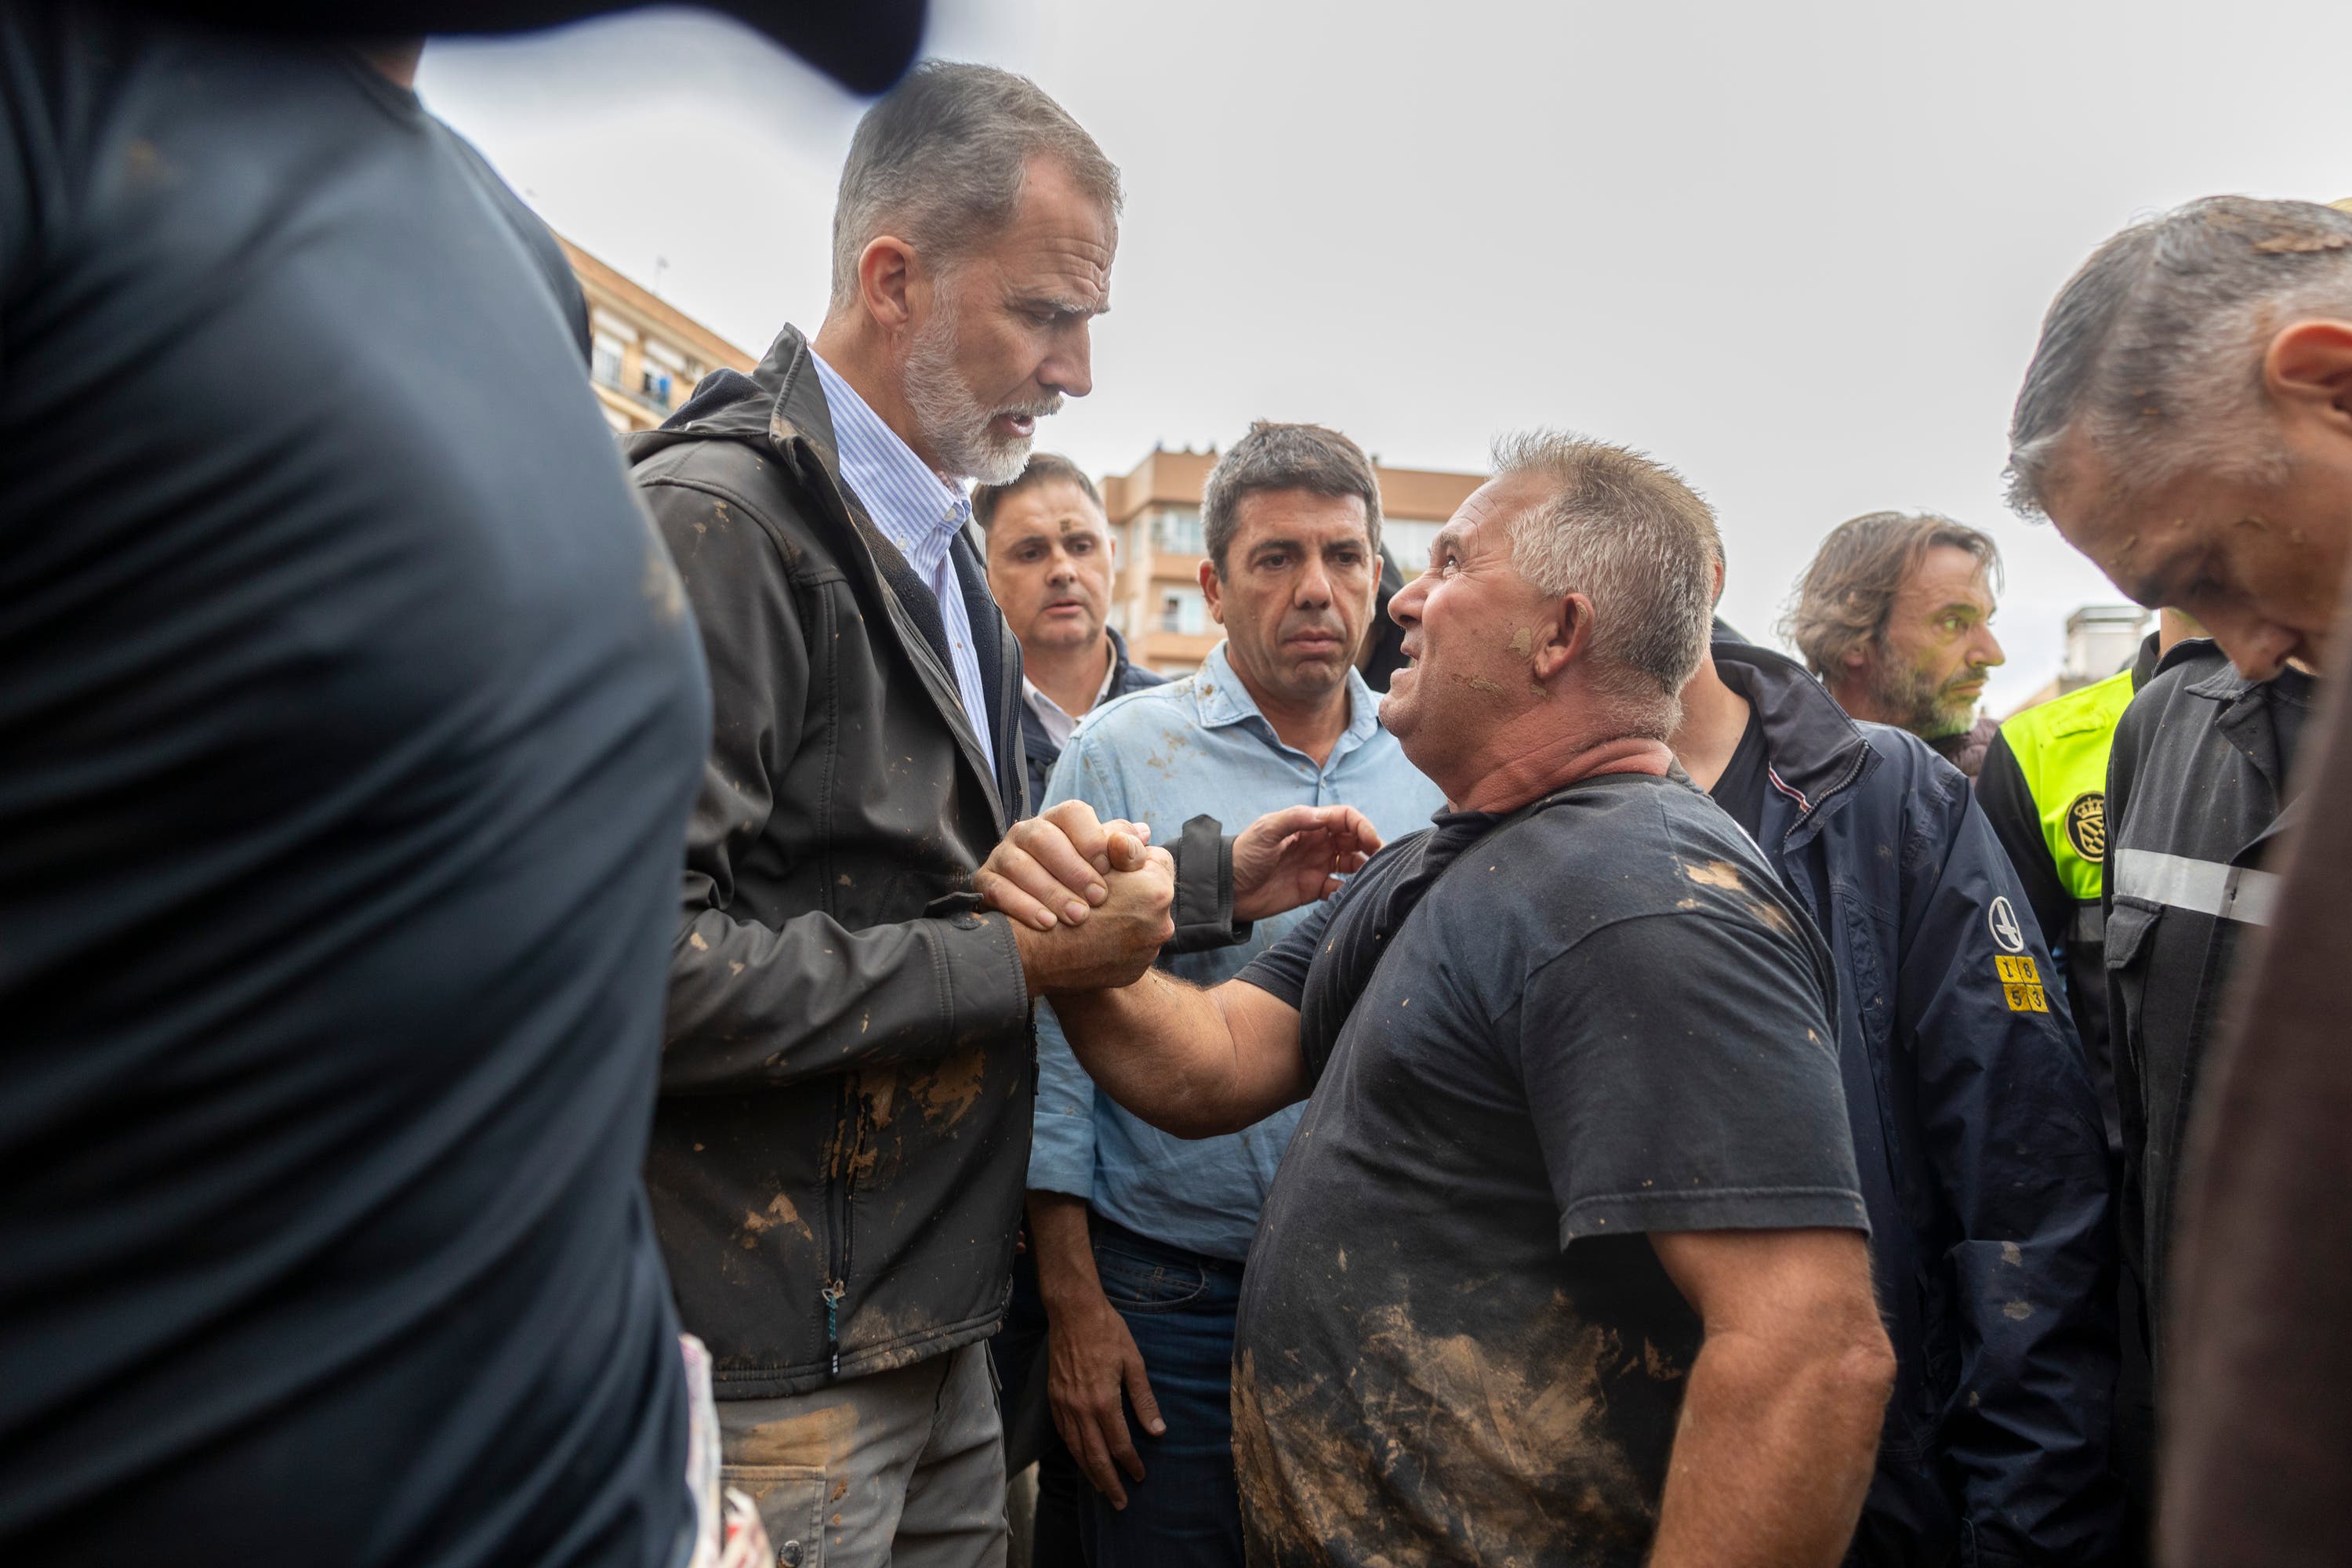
[1186,1512]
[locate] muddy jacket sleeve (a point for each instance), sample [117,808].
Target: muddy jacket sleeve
[753,1004]
[2015,1139]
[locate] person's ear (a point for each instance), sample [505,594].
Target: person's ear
[2307,370]
[886,282]
[1559,638]
[1212,590]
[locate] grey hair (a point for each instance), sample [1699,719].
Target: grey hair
[940,162]
[2154,350]
[1285,458]
[1847,593]
[1630,534]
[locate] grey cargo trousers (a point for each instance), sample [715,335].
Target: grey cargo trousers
[898,1469]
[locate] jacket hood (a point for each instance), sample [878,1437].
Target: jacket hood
[1814,749]
[779,402]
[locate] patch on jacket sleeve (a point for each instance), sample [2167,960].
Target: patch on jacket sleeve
[2021,983]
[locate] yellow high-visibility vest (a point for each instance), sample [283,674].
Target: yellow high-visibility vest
[2062,749]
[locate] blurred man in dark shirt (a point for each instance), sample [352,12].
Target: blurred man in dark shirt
[349,717]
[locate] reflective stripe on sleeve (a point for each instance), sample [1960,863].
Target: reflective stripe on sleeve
[2206,887]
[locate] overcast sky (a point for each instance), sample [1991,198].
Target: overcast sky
[1800,251]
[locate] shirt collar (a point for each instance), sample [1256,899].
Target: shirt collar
[1221,700]
[915,508]
[1036,694]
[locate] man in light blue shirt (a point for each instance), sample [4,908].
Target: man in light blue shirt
[1140,1236]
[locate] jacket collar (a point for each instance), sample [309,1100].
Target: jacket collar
[1220,698]
[2239,697]
[781,402]
[1814,750]
[2242,719]
[1034,743]
[1119,663]
[2203,652]
[780,407]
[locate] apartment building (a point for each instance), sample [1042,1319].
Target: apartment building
[644,355]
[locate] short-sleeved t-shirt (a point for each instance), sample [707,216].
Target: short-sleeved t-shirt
[348,722]
[1604,1019]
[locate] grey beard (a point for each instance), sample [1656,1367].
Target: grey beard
[1926,711]
[953,424]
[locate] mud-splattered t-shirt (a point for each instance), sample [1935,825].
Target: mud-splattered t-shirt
[1455,1342]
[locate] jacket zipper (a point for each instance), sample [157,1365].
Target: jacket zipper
[1860,761]
[851,1143]
[833,1294]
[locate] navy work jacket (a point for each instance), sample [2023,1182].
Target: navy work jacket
[1977,1132]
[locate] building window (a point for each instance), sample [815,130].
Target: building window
[664,378]
[1182,610]
[1176,531]
[604,362]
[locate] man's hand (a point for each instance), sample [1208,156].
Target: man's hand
[1091,1360]
[1296,856]
[1121,936]
[1049,869]
[1091,1357]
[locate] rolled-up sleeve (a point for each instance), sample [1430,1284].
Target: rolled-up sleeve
[1062,1152]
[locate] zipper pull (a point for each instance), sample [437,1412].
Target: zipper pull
[833,1294]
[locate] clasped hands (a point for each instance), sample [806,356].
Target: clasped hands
[1089,899]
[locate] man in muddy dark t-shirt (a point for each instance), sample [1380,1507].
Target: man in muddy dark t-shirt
[1565,1264]
[1606,1021]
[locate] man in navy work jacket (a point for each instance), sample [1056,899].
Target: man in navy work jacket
[1976,1127]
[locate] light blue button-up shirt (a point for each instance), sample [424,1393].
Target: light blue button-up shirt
[917,512]
[1163,755]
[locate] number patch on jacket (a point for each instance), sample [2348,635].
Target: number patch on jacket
[2021,983]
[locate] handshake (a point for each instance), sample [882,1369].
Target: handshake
[1089,901]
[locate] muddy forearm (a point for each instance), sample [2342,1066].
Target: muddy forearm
[1191,1062]
[1773,1454]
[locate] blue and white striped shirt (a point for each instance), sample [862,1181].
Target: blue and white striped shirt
[917,512]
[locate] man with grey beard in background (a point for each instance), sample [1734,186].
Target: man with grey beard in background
[1894,615]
